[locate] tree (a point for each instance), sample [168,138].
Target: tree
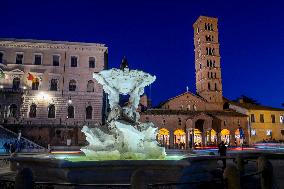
[247,99]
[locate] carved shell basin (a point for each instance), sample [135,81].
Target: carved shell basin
[124,81]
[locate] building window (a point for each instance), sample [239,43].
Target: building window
[38,59]
[19,58]
[268,132]
[51,111]
[194,107]
[72,85]
[261,118]
[272,118]
[92,62]
[1,58]
[35,84]
[164,122]
[147,119]
[55,60]
[89,112]
[90,86]
[179,121]
[32,112]
[13,110]
[74,61]
[252,118]
[216,87]
[16,83]
[71,111]
[282,119]
[209,87]
[53,85]
[188,107]
[253,132]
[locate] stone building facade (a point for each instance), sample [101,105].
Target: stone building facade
[189,120]
[265,123]
[47,89]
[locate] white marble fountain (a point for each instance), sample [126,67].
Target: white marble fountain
[123,136]
[117,150]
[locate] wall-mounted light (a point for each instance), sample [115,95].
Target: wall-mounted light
[43,96]
[24,87]
[69,100]
[1,86]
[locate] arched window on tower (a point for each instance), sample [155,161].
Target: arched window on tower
[209,88]
[89,112]
[32,112]
[90,86]
[16,83]
[51,111]
[72,85]
[71,111]
[216,87]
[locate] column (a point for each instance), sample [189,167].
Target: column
[171,139]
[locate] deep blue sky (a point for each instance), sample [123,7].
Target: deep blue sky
[157,36]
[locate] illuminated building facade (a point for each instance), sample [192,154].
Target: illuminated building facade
[265,123]
[200,119]
[47,89]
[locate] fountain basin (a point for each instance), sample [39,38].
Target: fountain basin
[101,172]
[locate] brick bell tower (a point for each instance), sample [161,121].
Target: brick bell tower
[207,61]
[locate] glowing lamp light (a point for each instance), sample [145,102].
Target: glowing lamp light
[24,87]
[42,96]
[69,101]
[1,86]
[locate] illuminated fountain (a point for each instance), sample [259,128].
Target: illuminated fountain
[123,136]
[118,150]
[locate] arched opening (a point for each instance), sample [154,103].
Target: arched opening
[51,111]
[13,110]
[90,86]
[16,83]
[226,106]
[71,111]
[32,112]
[198,132]
[225,136]
[35,84]
[72,85]
[237,137]
[211,137]
[164,137]
[179,139]
[89,112]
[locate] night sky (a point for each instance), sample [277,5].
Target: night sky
[157,36]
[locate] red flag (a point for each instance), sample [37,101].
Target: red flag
[30,77]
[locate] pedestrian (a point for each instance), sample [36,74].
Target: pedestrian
[223,152]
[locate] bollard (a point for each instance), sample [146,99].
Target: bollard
[13,164]
[24,179]
[240,165]
[139,179]
[266,177]
[232,177]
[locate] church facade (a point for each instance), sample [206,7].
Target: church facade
[190,120]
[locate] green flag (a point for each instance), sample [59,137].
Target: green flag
[2,75]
